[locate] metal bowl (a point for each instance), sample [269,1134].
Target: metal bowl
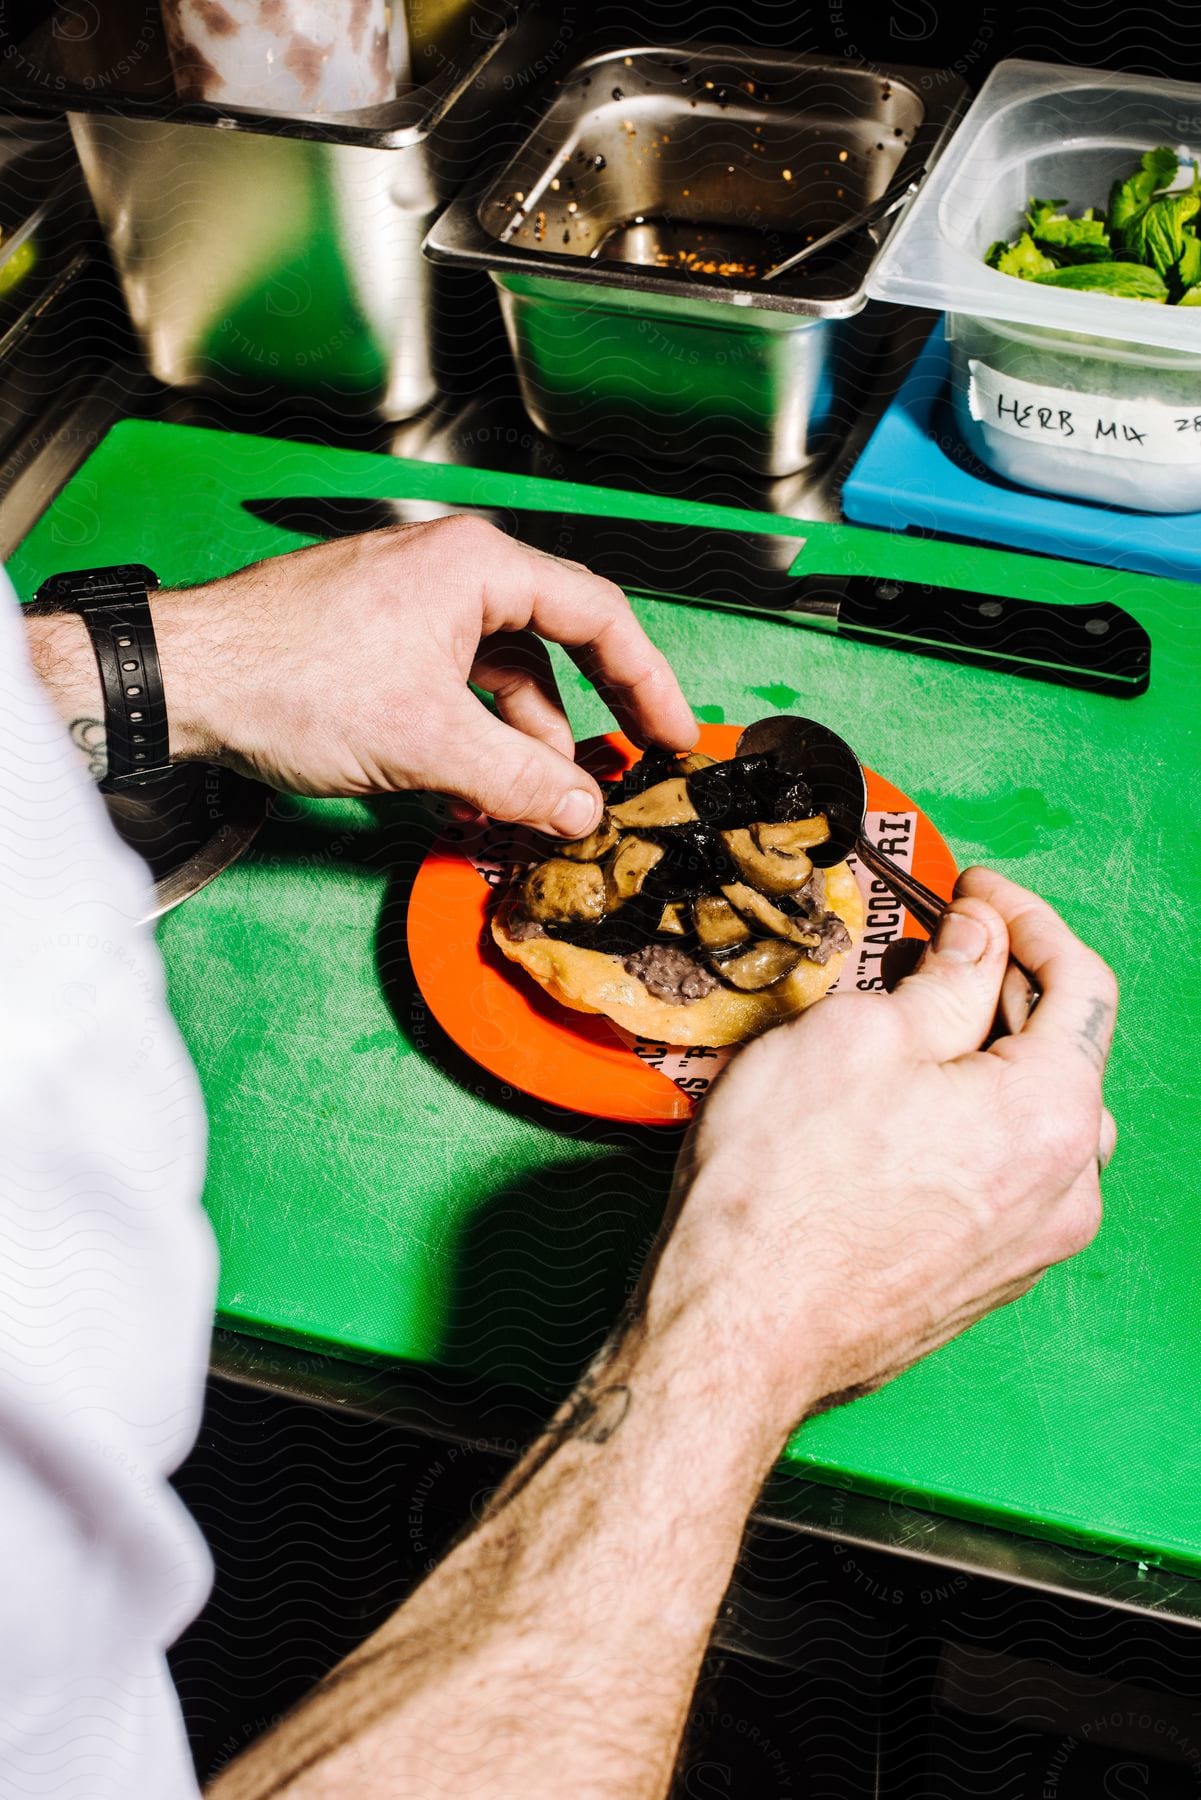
[189,826]
[629,235]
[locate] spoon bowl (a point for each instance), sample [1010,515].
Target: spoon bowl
[839,788]
[832,770]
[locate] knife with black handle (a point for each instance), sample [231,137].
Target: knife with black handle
[1097,646]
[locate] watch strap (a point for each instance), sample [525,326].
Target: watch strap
[114,604]
[135,709]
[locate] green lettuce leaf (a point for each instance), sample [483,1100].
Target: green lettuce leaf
[1023,258]
[1040,212]
[1074,240]
[1125,280]
[1188,268]
[1157,169]
[1146,247]
[1157,234]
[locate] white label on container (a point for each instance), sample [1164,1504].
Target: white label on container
[1145,431]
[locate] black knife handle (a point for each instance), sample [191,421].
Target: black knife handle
[1096,646]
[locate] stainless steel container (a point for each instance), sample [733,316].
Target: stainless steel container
[629,236]
[271,259]
[47,233]
[283,252]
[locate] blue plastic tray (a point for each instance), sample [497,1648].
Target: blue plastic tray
[917,475]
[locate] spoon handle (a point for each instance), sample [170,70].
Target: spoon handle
[1019,997]
[873,214]
[922,902]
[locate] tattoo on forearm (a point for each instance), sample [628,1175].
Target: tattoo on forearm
[370,1677]
[1090,1035]
[598,1416]
[594,1415]
[88,735]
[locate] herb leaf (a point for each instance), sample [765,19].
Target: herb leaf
[1067,240]
[1023,258]
[1157,169]
[1146,247]
[1125,280]
[1157,234]
[1040,212]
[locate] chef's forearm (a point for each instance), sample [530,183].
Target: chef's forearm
[62,655]
[555,1650]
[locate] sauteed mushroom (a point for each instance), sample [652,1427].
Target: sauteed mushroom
[758,910]
[667,803]
[557,892]
[768,870]
[793,836]
[718,926]
[672,921]
[629,867]
[765,963]
[596,845]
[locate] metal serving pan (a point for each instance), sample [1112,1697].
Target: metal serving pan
[119,66]
[47,233]
[189,826]
[629,234]
[649,154]
[264,251]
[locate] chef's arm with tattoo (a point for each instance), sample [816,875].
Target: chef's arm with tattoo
[555,1649]
[553,1652]
[62,655]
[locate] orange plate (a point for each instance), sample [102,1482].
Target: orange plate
[507,1024]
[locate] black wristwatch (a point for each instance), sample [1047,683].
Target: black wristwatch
[115,606]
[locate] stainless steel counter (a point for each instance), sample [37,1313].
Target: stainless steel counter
[487,430]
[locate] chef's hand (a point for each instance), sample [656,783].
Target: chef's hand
[863,1183]
[343,669]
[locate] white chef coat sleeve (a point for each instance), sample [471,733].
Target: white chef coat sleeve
[107,1278]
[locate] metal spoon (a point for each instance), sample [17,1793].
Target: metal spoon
[839,786]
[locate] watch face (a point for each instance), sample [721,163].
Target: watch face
[98,587]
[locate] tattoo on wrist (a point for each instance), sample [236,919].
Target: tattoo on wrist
[1089,1037]
[88,735]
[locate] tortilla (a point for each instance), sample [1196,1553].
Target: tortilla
[594,981]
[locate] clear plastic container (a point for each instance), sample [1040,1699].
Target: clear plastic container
[1074,393]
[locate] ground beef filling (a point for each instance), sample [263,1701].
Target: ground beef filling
[670,974]
[809,905]
[521,930]
[834,938]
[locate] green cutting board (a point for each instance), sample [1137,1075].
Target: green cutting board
[374,1194]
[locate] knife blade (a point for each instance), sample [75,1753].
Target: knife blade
[1097,646]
